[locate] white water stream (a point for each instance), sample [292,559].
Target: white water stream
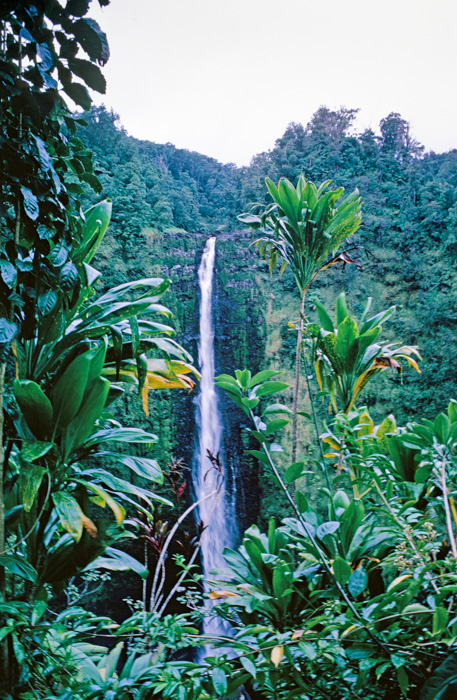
[207,478]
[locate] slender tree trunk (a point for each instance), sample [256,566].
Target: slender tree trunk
[4,645]
[297,382]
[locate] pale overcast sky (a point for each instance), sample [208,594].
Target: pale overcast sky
[225,77]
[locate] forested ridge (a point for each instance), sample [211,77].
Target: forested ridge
[407,243]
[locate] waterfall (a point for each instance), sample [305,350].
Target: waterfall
[206,477]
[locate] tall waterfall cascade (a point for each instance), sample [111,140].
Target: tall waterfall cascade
[208,479]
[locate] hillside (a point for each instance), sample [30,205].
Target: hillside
[168,200]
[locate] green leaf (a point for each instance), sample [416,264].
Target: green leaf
[341,309]
[18,566]
[329,342]
[261,456]
[359,651]
[8,330]
[70,513]
[326,321]
[441,428]
[35,406]
[350,522]
[294,471]
[59,254]
[249,666]
[397,660]
[276,408]
[68,393]
[8,273]
[358,582]
[452,410]
[270,388]
[219,680]
[442,685]
[129,435]
[403,681]
[89,72]
[77,8]
[46,302]
[34,449]
[440,620]
[97,219]
[117,560]
[346,343]
[301,501]
[244,378]
[143,466]
[263,376]
[274,425]
[233,389]
[403,457]
[30,201]
[342,570]
[92,39]
[327,528]
[78,94]
[258,436]
[30,478]
[83,423]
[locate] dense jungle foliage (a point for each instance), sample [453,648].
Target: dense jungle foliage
[349,589]
[408,231]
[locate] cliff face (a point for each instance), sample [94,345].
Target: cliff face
[407,245]
[240,340]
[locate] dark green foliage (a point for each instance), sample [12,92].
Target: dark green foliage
[409,202]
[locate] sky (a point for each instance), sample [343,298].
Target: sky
[226,77]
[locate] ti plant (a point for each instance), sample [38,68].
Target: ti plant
[72,357]
[347,356]
[363,602]
[303,228]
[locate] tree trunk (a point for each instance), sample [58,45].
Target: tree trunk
[297,382]
[4,644]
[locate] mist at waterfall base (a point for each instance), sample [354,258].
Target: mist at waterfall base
[214,510]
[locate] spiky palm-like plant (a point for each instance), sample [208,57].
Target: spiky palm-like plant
[348,355]
[304,227]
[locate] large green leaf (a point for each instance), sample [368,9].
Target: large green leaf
[67,395]
[30,478]
[117,560]
[326,321]
[35,406]
[68,557]
[404,457]
[97,219]
[18,566]
[442,685]
[70,513]
[82,424]
[133,435]
[347,343]
[146,468]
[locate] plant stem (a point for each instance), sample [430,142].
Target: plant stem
[319,551]
[180,579]
[447,510]
[154,591]
[407,533]
[297,381]
[4,644]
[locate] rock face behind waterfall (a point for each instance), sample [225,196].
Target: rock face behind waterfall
[239,341]
[215,510]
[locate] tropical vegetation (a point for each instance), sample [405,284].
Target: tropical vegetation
[348,589]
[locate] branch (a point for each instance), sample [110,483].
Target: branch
[168,541]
